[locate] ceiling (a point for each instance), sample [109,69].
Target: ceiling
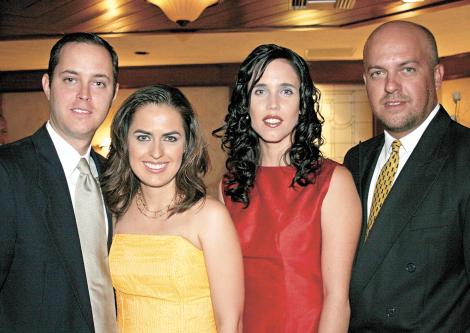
[225,33]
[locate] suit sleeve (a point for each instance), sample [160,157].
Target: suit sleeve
[351,162]
[466,239]
[7,220]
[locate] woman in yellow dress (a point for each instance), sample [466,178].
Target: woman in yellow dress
[175,259]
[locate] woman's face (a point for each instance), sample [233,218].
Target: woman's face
[274,103]
[156,142]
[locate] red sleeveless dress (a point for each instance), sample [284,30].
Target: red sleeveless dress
[280,236]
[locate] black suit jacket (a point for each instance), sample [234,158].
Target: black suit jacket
[413,272]
[43,286]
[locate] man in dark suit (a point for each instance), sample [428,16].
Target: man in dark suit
[50,281]
[412,268]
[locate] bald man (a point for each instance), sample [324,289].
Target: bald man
[412,268]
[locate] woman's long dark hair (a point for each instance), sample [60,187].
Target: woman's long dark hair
[119,183]
[241,142]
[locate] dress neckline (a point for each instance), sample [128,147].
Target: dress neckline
[157,236]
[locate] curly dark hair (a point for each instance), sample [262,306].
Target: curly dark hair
[241,142]
[120,184]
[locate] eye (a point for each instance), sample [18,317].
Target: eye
[287,91]
[100,84]
[376,74]
[409,70]
[143,137]
[69,79]
[171,138]
[259,91]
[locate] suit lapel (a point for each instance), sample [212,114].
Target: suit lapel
[60,219]
[409,190]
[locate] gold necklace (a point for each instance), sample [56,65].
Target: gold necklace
[143,209]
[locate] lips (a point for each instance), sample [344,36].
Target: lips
[272,121]
[81,111]
[394,103]
[155,167]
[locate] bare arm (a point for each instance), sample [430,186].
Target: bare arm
[340,222]
[221,196]
[224,266]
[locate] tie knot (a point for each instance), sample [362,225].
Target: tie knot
[396,144]
[83,167]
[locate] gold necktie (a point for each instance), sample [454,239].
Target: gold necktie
[384,184]
[89,214]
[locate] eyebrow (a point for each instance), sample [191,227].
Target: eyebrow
[285,84]
[172,133]
[72,72]
[408,62]
[148,133]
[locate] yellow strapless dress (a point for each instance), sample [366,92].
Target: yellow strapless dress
[161,285]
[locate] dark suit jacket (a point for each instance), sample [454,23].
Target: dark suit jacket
[413,272]
[43,286]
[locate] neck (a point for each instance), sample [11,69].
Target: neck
[272,154]
[158,198]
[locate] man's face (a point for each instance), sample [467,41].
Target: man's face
[3,131]
[80,92]
[400,80]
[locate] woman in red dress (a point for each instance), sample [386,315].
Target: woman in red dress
[297,213]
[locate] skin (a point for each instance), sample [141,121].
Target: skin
[3,131]
[274,110]
[400,79]
[156,144]
[340,224]
[156,138]
[80,92]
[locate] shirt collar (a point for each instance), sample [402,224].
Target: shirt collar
[68,156]
[409,141]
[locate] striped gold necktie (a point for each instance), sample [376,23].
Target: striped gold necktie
[384,184]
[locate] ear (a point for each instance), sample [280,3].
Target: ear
[364,78]
[438,75]
[46,86]
[116,92]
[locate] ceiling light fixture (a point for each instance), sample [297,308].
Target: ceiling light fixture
[183,11]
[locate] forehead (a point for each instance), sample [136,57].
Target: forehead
[396,44]
[157,115]
[85,55]
[280,69]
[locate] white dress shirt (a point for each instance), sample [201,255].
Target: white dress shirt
[408,144]
[69,159]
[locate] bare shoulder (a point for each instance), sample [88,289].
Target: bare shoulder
[341,174]
[212,217]
[341,189]
[211,209]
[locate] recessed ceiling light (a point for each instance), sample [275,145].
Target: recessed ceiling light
[409,1]
[141,52]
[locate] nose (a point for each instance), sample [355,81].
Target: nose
[84,93]
[157,150]
[392,83]
[273,102]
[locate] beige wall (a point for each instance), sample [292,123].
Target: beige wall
[345,108]
[462,86]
